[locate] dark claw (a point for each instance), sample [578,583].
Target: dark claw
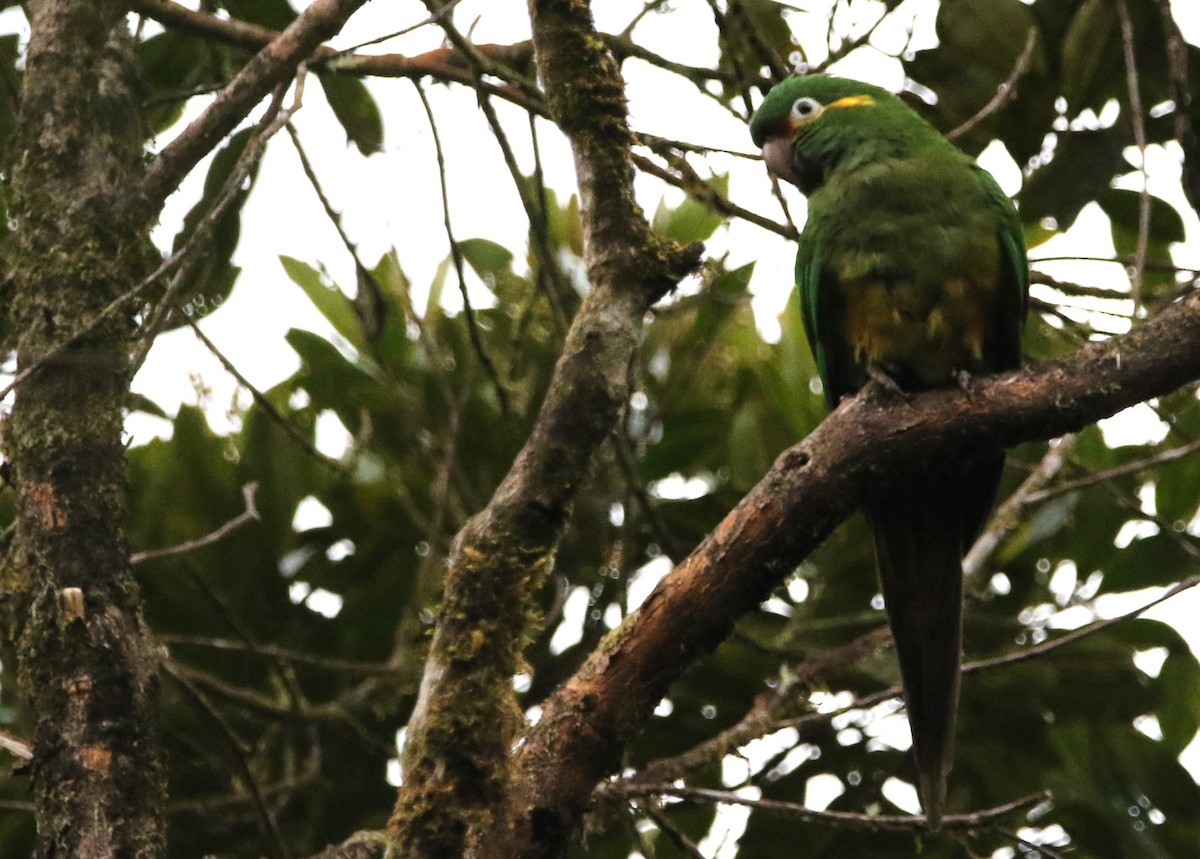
[886,382]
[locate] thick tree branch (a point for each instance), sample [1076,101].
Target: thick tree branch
[863,447]
[443,64]
[271,66]
[458,748]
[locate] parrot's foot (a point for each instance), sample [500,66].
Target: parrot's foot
[880,376]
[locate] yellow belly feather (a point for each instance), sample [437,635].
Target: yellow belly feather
[929,332]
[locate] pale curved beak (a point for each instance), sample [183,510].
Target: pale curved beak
[777,154]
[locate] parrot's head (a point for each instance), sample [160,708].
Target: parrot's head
[807,126]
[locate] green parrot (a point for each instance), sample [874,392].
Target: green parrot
[911,269]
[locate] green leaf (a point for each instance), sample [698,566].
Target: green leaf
[751,27]
[276,14]
[1123,208]
[334,382]
[1175,497]
[490,260]
[172,64]
[724,296]
[1093,55]
[1179,717]
[691,221]
[356,110]
[1156,560]
[135,402]
[1084,165]
[337,309]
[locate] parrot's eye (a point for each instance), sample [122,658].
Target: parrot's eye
[806,108]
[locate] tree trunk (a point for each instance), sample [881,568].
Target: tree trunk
[86,660]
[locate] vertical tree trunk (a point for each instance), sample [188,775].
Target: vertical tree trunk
[86,661]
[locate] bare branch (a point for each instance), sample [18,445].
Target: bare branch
[271,66]
[1006,91]
[280,654]
[844,819]
[1082,632]
[260,399]
[456,256]
[1185,130]
[444,64]
[1008,515]
[1144,464]
[250,514]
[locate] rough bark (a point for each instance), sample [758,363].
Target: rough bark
[86,661]
[868,443]
[457,754]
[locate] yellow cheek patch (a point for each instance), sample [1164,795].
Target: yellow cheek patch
[852,101]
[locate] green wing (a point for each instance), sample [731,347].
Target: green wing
[808,282]
[1004,348]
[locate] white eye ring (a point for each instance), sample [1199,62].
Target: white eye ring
[806,108]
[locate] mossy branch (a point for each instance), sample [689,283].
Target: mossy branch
[457,755]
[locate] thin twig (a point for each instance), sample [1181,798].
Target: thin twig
[536,215]
[280,653]
[1006,91]
[1008,515]
[1169,455]
[272,120]
[369,304]
[442,64]
[652,6]
[549,271]
[845,819]
[848,45]
[685,844]
[250,514]
[707,195]
[456,256]
[260,399]
[1077,634]
[1139,136]
[763,718]
[435,17]
[1040,849]
[768,709]
[238,752]
[232,802]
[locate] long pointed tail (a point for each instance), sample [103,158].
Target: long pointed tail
[920,537]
